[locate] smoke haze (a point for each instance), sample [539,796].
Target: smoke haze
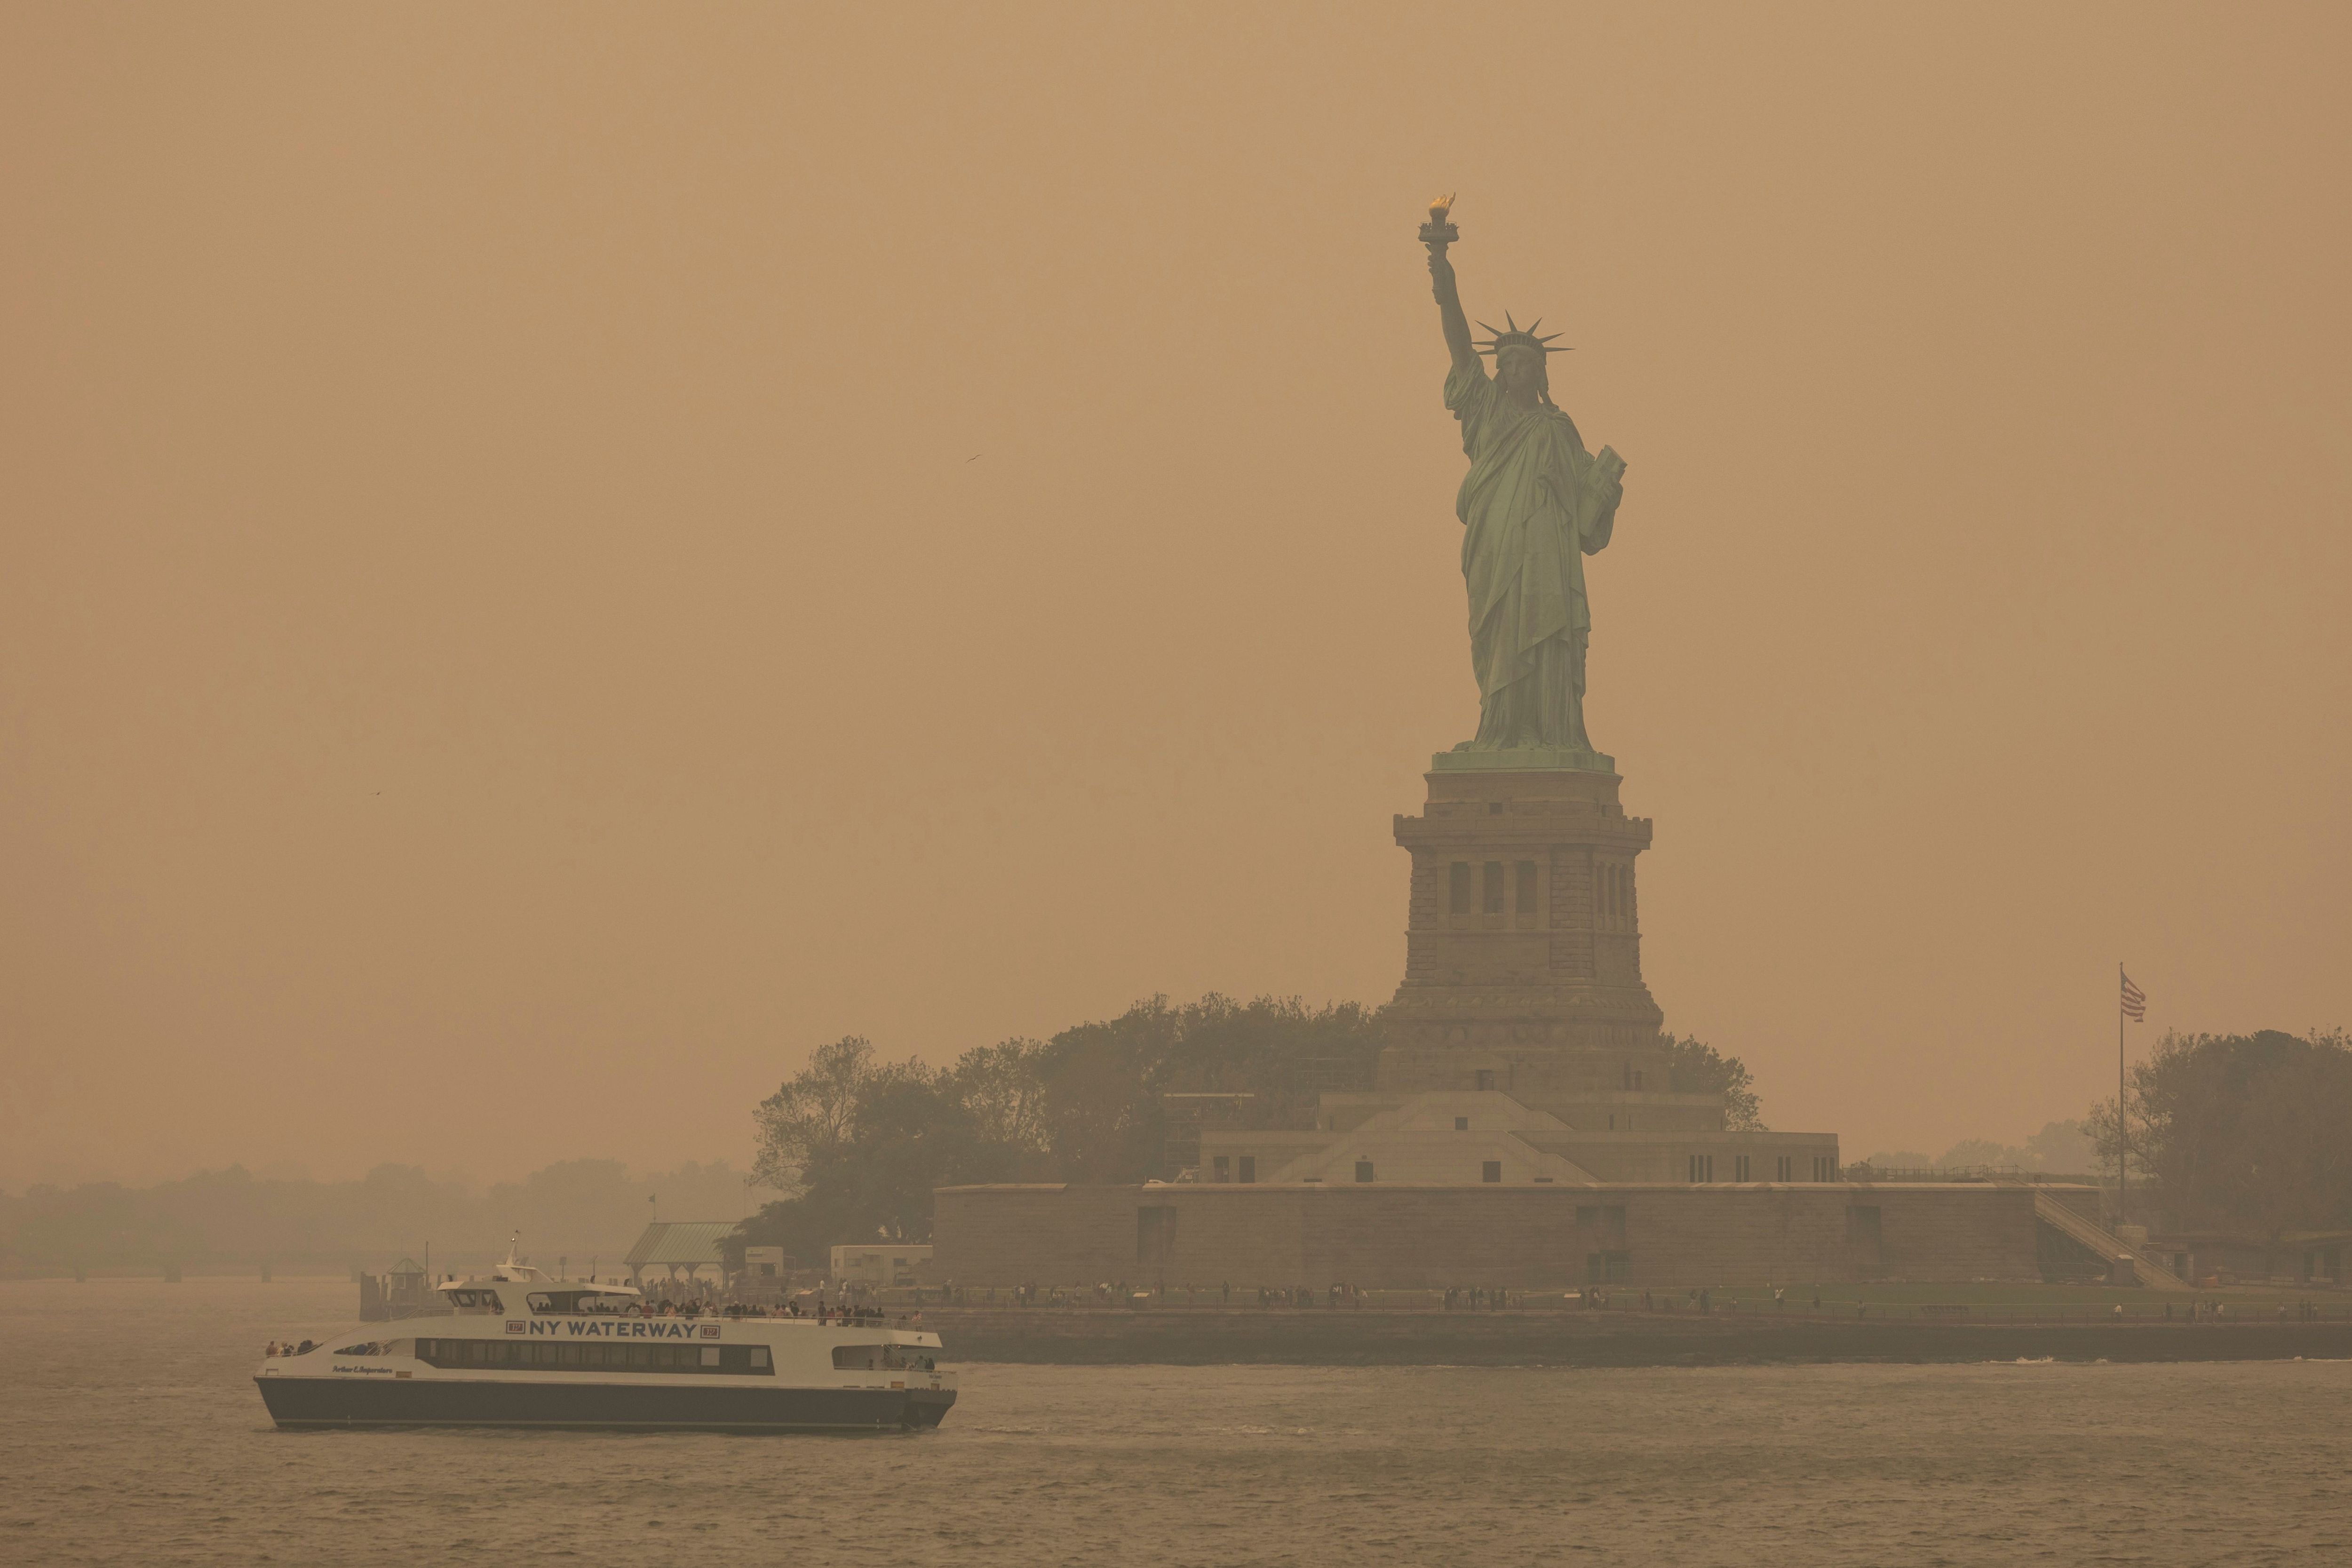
[559,558]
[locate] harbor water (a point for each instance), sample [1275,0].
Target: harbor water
[133,1434]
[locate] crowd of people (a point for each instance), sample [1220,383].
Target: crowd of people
[1477,1298]
[691,1295]
[823,1302]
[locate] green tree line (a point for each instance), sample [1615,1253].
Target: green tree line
[2250,1133]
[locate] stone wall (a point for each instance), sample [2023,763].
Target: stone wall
[1528,1237]
[1549,1332]
[1523,968]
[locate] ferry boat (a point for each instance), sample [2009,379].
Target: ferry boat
[517,1348]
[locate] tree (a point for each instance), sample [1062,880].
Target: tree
[905,1138]
[1106,1083]
[805,1119]
[2099,1126]
[870,1144]
[999,1088]
[2063,1146]
[2246,1129]
[1700,1069]
[859,1145]
[1973,1152]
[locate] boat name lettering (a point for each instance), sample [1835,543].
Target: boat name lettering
[617,1329]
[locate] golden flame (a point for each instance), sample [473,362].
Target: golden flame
[1439,207]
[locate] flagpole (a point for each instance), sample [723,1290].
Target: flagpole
[2123,1128]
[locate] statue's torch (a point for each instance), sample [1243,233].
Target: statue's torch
[1438,232]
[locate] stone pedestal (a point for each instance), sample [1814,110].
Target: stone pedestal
[1523,944]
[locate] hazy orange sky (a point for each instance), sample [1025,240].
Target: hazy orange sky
[559,557]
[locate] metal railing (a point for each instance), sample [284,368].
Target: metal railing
[1862,1171]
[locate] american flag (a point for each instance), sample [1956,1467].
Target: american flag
[2135,1001]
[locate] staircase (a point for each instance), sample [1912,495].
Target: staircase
[2070,1224]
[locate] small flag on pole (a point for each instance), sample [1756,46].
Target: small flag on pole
[2134,1002]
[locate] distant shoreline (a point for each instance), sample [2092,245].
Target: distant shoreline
[1373,1337]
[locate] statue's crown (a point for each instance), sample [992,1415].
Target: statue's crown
[1519,337]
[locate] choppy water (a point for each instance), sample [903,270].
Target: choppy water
[131,1433]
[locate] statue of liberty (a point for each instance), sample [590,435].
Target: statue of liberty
[1533,506]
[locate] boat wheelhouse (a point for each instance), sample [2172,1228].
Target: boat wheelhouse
[517,1348]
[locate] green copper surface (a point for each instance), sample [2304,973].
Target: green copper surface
[1534,504]
[1471,757]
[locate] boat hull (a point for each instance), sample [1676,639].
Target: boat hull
[316,1401]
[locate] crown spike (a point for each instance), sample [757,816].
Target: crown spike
[1508,322]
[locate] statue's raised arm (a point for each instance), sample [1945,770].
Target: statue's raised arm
[1437,234]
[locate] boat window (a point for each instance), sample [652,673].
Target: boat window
[548,1302]
[534,1356]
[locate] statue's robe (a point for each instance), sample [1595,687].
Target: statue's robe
[1532,508]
